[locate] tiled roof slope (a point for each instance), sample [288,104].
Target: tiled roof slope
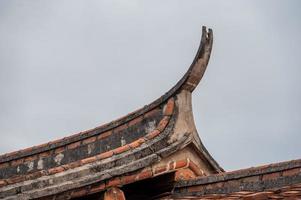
[274,181]
[127,145]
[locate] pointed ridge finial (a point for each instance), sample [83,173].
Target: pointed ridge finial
[200,62]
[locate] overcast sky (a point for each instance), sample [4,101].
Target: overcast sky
[67,66]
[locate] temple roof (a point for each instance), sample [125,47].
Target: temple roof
[188,82]
[157,147]
[137,141]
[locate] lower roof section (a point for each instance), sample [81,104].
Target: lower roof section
[274,181]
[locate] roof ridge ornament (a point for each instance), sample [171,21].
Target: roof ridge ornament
[188,82]
[198,67]
[154,135]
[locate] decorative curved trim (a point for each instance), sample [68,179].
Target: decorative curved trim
[198,67]
[188,82]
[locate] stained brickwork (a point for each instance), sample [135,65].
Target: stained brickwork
[115,141]
[186,166]
[142,137]
[137,154]
[156,142]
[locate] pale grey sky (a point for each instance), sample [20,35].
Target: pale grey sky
[66,66]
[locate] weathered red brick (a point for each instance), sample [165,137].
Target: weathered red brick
[291,194]
[56,170]
[271,176]
[45,154]
[163,123]
[30,158]
[29,149]
[15,153]
[144,174]
[135,120]
[121,149]
[56,141]
[105,155]
[73,145]
[89,140]
[184,174]
[4,165]
[59,150]
[128,179]
[16,162]
[292,172]
[2,183]
[160,169]
[151,113]
[137,143]
[152,134]
[218,185]
[257,196]
[35,175]
[181,164]
[113,182]
[169,107]
[233,183]
[72,165]
[251,179]
[89,160]
[195,169]
[262,167]
[16,179]
[120,128]
[104,135]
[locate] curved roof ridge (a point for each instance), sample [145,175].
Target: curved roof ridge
[188,82]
